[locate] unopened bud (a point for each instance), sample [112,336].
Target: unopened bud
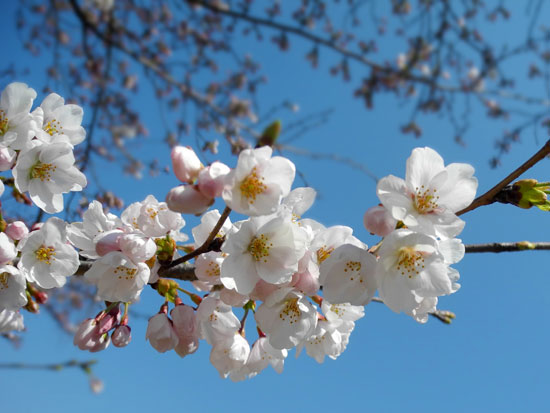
[526,193]
[378,220]
[17,230]
[186,164]
[187,199]
[121,337]
[211,179]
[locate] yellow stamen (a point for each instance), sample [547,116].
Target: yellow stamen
[410,262]
[259,248]
[425,200]
[252,186]
[291,311]
[45,254]
[53,127]
[42,171]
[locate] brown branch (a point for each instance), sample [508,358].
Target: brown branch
[84,365]
[497,247]
[205,247]
[489,197]
[151,65]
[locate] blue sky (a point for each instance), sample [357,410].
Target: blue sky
[492,358]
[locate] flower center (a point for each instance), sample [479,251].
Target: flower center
[353,267]
[4,278]
[259,248]
[425,200]
[323,253]
[4,122]
[45,254]
[252,186]
[53,127]
[42,171]
[213,269]
[152,212]
[410,262]
[291,311]
[125,272]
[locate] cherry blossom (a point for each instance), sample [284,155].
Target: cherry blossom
[259,182]
[46,257]
[60,120]
[47,172]
[412,267]
[12,288]
[17,125]
[287,318]
[263,248]
[430,195]
[117,277]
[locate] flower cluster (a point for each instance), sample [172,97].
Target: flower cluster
[38,145]
[305,284]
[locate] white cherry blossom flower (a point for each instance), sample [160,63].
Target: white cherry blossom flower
[7,249]
[431,193]
[151,217]
[264,354]
[95,222]
[348,275]
[230,354]
[12,288]
[411,268]
[117,277]
[46,257]
[17,125]
[263,248]
[216,320]
[60,120]
[256,186]
[47,172]
[287,318]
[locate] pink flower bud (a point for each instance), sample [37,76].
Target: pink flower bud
[161,334]
[186,164]
[7,158]
[377,220]
[108,242]
[122,336]
[87,337]
[212,179]
[187,199]
[109,320]
[186,328]
[17,230]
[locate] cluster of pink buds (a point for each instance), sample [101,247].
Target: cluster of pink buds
[93,333]
[200,184]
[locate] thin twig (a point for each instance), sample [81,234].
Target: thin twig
[206,245]
[497,247]
[444,316]
[489,197]
[84,365]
